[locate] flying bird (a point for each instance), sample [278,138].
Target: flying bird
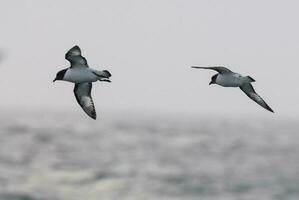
[227,78]
[83,76]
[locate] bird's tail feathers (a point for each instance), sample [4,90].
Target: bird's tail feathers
[103,74]
[250,79]
[106,73]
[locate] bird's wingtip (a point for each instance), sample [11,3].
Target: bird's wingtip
[199,67]
[272,111]
[76,47]
[94,117]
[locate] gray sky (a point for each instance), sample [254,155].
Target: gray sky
[149,47]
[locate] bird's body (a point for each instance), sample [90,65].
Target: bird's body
[227,78]
[232,80]
[83,76]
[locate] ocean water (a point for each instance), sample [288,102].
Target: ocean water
[62,157]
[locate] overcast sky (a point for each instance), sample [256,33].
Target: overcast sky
[149,46]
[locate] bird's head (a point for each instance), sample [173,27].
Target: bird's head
[60,75]
[213,79]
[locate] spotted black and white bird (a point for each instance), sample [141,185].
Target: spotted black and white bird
[227,78]
[83,76]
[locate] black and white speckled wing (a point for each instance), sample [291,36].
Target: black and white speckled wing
[250,92]
[75,58]
[219,69]
[82,93]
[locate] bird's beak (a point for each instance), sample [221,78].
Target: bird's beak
[54,80]
[211,83]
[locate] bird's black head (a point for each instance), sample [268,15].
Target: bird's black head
[213,79]
[60,75]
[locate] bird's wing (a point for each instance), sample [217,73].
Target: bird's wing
[250,92]
[220,70]
[82,93]
[75,58]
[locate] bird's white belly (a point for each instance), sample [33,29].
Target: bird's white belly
[80,76]
[229,80]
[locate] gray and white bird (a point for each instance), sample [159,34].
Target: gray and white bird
[227,78]
[83,76]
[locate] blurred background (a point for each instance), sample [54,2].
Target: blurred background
[162,132]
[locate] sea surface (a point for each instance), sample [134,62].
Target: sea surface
[67,156]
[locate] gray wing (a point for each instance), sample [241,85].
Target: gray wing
[250,92]
[75,57]
[219,69]
[82,93]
